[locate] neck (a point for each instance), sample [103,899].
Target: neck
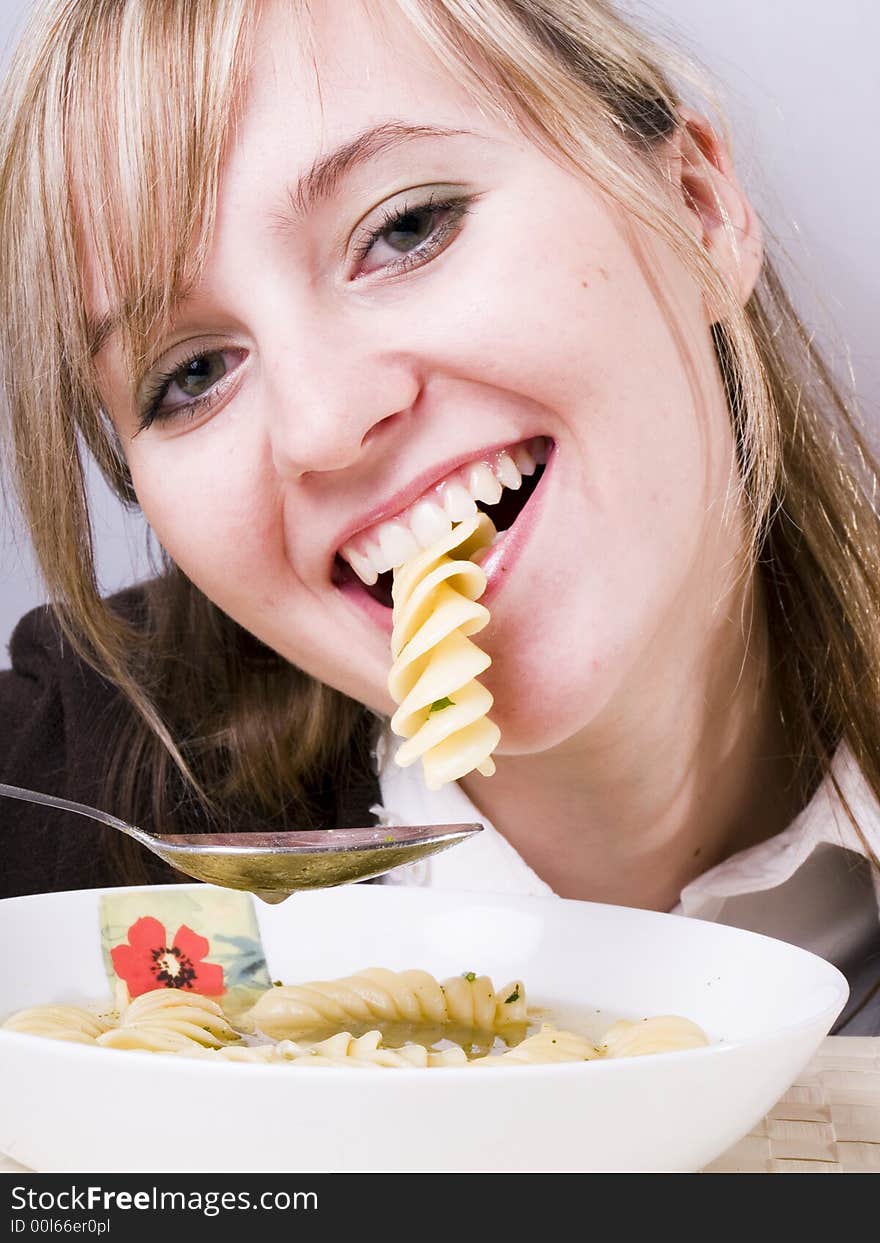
[684,772]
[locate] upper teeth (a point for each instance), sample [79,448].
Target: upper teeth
[389,544]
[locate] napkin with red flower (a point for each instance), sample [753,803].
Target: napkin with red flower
[194,938]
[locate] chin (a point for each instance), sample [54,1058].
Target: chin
[540,704]
[530,732]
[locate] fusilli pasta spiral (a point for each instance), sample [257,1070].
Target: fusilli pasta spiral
[442,708]
[72,1023]
[378,995]
[663,1033]
[550,1044]
[168,1021]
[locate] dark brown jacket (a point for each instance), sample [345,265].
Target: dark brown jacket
[58,723]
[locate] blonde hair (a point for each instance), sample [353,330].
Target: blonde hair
[108,99]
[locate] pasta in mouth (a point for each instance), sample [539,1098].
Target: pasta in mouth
[503,515]
[374,1019]
[442,708]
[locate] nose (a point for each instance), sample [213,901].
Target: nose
[328,398]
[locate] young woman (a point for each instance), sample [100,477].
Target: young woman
[292,273]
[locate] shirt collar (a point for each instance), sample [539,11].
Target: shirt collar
[771,863]
[488,862]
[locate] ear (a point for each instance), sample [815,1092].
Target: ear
[718,209]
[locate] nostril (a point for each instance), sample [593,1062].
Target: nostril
[379,428]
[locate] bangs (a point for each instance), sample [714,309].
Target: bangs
[148,99]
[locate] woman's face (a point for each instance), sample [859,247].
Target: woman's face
[399,288]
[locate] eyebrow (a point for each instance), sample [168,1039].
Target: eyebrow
[319,183]
[324,177]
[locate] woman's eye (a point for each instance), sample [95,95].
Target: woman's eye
[410,236]
[189,387]
[411,230]
[201,374]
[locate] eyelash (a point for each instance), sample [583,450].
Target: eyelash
[457,207]
[160,385]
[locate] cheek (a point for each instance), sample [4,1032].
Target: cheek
[637,541]
[626,361]
[220,516]
[213,512]
[589,323]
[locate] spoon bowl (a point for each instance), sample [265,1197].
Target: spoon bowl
[274,865]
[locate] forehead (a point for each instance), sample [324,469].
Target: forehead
[347,65]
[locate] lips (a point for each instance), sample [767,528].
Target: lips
[486,481]
[501,483]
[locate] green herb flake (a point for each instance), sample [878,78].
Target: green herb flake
[514,996]
[439,704]
[470,976]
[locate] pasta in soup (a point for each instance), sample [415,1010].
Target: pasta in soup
[375,1018]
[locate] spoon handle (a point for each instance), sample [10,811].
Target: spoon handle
[49,800]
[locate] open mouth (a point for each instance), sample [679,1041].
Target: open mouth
[501,485]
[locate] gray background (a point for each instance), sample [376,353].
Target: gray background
[800,83]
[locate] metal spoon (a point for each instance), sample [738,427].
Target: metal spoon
[275,865]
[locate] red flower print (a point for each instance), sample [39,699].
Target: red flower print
[149,962]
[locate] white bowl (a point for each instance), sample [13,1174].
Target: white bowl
[764,1004]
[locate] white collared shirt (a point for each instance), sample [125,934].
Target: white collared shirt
[811,885]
